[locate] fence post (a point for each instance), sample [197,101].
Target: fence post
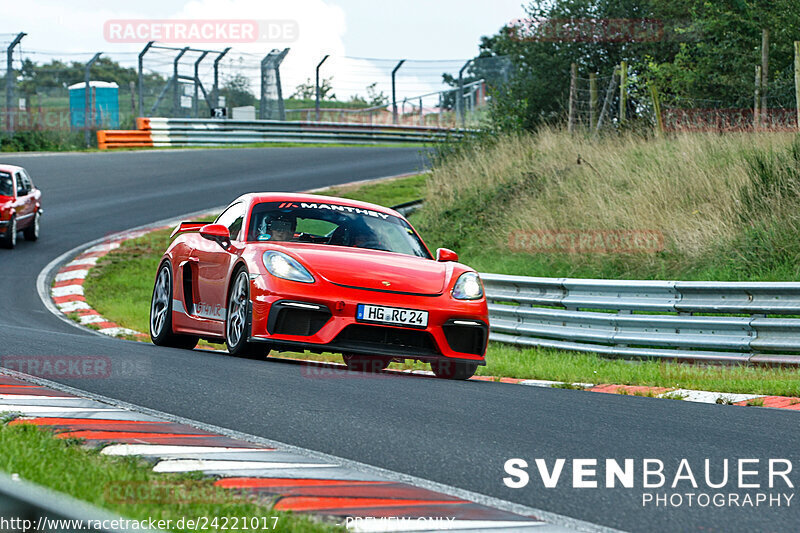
[87,98]
[10,80]
[216,75]
[394,91]
[607,102]
[797,80]
[623,90]
[764,73]
[141,77]
[657,109]
[195,106]
[757,100]
[176,102]
[592,99]
[573,75]
[316,105]
[460,114]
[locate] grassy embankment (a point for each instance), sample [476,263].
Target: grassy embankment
[726,206]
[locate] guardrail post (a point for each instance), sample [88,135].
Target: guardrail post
[10,80]
[316,105]
[394,91]
[87,98]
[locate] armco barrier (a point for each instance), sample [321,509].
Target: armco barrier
[653,319]
[159,132]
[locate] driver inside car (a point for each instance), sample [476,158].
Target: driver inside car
[361,236]
[279,228]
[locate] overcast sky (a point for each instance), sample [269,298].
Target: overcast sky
[422,30]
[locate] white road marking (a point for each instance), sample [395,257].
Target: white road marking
[69,307]
[89,261]
[169,449]
[68,290]
[192,465]
[413,524]
[72,274]
[702,396]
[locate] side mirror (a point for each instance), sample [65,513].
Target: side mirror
[443,254]
[217,233]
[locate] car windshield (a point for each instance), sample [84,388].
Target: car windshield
[335,225]
[6,184]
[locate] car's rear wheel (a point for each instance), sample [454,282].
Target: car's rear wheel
[9,240]
[161,313]
[238,319]
[31,233]
[365,363]
[453,369]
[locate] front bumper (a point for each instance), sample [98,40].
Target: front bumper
[322,317]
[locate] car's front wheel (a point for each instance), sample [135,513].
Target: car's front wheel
[237,319]
[161,313]
[366,363]
[453,369]
[31,233]
[9,240]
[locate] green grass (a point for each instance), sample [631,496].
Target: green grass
[576,367]
[105,481]
[386,193]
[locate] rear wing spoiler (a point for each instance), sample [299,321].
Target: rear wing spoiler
[186,227]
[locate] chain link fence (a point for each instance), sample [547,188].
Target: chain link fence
[46,91]
[610,101]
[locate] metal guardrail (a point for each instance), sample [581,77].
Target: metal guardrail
[159,132]
[682,320]
[23,503]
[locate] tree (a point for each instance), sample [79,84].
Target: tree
[308,90]
[237,92]
[374,98]
[691,50]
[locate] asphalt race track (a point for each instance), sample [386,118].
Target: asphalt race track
[457,433]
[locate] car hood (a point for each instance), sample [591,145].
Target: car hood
[371,269]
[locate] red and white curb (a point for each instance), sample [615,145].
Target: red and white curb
[67,289]
[310,483]
[689,395]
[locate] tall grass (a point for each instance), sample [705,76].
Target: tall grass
[726,205]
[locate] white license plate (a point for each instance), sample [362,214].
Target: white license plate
[392,315]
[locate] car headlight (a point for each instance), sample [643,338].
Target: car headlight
[468,287]
[281,265]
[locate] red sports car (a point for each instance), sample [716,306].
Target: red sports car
[294,272]
[20,206]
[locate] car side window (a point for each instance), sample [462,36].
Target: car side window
[27,179]
[233,218]
[22,188]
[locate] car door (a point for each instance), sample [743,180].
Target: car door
[25,205]
[214,263]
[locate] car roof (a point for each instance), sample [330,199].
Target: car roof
[10,168]
[313,198]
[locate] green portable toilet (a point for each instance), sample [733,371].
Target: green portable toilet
[104,101]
